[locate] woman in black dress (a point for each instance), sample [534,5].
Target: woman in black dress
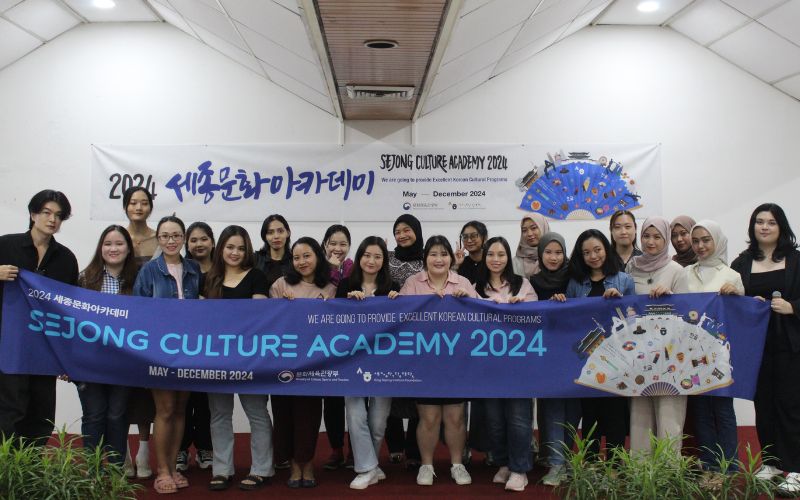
[770,269]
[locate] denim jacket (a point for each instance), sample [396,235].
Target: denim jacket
[621,281]
[154,280]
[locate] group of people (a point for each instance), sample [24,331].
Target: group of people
[172,261]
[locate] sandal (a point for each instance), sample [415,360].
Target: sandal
[165,485]
[180,480]
[252,482]
[220,483]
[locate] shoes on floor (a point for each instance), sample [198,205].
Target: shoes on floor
[517,482]
[425,475]
[460,475]
[502,475]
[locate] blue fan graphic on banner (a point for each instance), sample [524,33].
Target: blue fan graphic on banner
[577,187]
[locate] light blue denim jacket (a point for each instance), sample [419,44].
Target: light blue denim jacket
[621,281]
[154,280]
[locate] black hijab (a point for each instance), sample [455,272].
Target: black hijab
[546,279]
[414,252]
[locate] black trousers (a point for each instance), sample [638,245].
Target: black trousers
[198,423]
[610,417]
[27,406]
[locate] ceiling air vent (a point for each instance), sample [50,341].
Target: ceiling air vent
[379,93]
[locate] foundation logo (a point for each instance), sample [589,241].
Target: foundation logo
[406,206]
[367,376]
[286,376]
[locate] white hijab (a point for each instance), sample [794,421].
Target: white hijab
[720,255]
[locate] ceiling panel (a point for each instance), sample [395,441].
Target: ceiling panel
[546,21]
[485,23]
[791,86]
[298,88]
[758,50]
[753,8]
[585,19]
[289,4]
[272,21]
[16,43]
[211,19]
[625,12]
[45,18]
[123,11]
[489,53]
[288,62]
[173,18]
[457,90]
[246,59]
[708,20]
[7,4]
[470,5]
[784,20]
[513,59]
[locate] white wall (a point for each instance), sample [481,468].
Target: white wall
[727,138]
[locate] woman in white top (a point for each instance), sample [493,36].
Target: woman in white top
[655,274]
[510,420]
[714,417]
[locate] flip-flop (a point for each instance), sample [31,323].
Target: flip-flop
[220,483]
[165,485]
[180,480]
[252,482]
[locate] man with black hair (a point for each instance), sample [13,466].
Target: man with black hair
[28,402]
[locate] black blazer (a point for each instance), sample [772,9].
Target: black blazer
[789,323]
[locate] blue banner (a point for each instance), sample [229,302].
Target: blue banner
[411,346]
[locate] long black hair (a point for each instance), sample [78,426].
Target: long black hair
[128,194]
[336,228]
[483,281]
[265,227]
[216,275]
[578,268]
[786,239]
[384,279]
[322,274]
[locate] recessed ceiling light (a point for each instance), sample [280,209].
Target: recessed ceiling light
[380,44]
[648,6]
[104,4]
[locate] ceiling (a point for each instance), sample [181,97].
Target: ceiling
[445,48]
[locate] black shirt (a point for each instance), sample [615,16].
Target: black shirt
[598,288]
[59,263]
[469,269]
[254,282]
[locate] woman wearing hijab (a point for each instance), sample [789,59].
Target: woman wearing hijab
[771,264]
[555,414]
[682,240]
[714,417]
[404,261]
[526,261]
[655,274]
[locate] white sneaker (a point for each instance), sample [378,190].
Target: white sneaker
[381,475]
[143,470]
[555,475]
[460,475]
[517,482]
[790,487]
[365,479]
[425,475]
[205,458]
[182,462]
[767,472]
[502,475]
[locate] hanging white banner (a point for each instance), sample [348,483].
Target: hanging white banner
[377,182]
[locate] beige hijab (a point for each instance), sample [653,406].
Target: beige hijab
[527,254]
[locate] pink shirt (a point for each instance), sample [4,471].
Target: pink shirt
[302,290]
[418,284]
[503,294]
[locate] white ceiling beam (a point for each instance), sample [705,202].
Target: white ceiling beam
[311,20]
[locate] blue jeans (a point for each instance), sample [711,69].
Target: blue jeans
[104,418]
[510,424]
[560,417]
[367,428]
[715,429]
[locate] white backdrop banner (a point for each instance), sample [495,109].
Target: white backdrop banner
[377,182]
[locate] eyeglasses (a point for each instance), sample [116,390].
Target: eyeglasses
[470,236]
[166,237]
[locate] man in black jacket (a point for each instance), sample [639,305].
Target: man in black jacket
[28,402]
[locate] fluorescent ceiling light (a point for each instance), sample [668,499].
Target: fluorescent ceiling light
[104,4]
[648,6]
